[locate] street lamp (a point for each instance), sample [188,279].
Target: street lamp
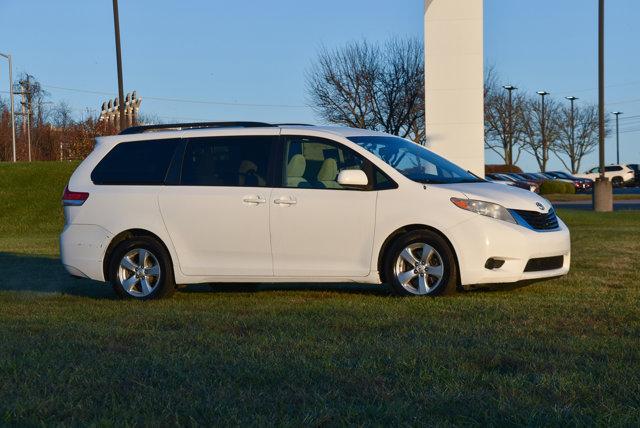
[13,120]
[543,130]
[510,88]
[572,99]
[617,113]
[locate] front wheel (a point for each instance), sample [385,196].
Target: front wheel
[421,263]
[140,268]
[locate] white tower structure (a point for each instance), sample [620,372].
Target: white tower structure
[454,81]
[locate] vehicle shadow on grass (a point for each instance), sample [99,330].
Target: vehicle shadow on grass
[42,274]
[326,287]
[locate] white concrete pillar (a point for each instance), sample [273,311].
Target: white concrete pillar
[454,93]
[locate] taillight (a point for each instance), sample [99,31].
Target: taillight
[73,199]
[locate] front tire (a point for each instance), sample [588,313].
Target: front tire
[140,268]
[421,263]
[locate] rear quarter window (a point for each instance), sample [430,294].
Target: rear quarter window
[136,163]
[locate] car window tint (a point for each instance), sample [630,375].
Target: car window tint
[227,161]
[382,181]
[136,163]
[612,168]
[315,162]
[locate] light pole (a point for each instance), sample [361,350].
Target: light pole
[543,131]
[602,188]
[13,120]
[572,99]
[617,113]
[510,88]
[116,27]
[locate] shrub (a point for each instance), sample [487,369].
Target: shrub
[556,186]
[501,169]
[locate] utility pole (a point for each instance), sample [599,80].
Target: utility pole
[573,125]
[543,130]
[602,188]
[13,119]
[116,26]
[25,93]
[617,113]
[510,88]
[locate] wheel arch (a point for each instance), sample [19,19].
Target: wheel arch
[401,231]
[123,236]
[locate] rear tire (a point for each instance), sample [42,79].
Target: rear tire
[421,263]
[617,181]
[140,268]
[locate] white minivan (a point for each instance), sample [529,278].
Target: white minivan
[165,205]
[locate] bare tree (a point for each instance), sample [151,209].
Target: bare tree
[503,113]
[371,86]
[399,94]
[536,138]
[62,115]
[577,135]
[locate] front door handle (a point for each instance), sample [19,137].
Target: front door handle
[254,199]
[285,201]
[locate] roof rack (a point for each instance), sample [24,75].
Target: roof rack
[293,124]
[193,125]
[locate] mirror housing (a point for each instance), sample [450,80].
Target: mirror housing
[353,178]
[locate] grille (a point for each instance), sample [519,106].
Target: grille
[544,263]
[539,221]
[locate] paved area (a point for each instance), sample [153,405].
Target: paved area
[632,204]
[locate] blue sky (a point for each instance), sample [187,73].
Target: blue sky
[256,52]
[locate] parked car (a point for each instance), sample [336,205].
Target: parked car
[618,174]
[636,171]
[506,179]
[526,177]
[240,202]
[581,184]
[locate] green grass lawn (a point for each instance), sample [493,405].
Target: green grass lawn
[558,352]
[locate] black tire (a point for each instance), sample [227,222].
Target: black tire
[163,285]
[449,280]
[617,181]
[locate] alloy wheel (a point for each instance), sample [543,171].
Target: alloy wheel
[419,268]
[139,272]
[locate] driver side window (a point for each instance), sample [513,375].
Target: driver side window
[315,162]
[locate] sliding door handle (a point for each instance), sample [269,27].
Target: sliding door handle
[285,201]
[254,199]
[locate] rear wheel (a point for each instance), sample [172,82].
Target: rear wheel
[140,268]
[617,181]
[421,263]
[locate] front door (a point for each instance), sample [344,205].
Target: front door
[218,217]
[319,228]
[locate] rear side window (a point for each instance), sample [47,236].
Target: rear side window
[227,161]
[136,163]
[612,168]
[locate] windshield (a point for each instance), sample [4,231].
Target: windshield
[414,161]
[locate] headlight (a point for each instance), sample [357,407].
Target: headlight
[484,208]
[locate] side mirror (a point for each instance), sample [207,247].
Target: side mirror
[352,178]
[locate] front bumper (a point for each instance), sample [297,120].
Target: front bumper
[481,238]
